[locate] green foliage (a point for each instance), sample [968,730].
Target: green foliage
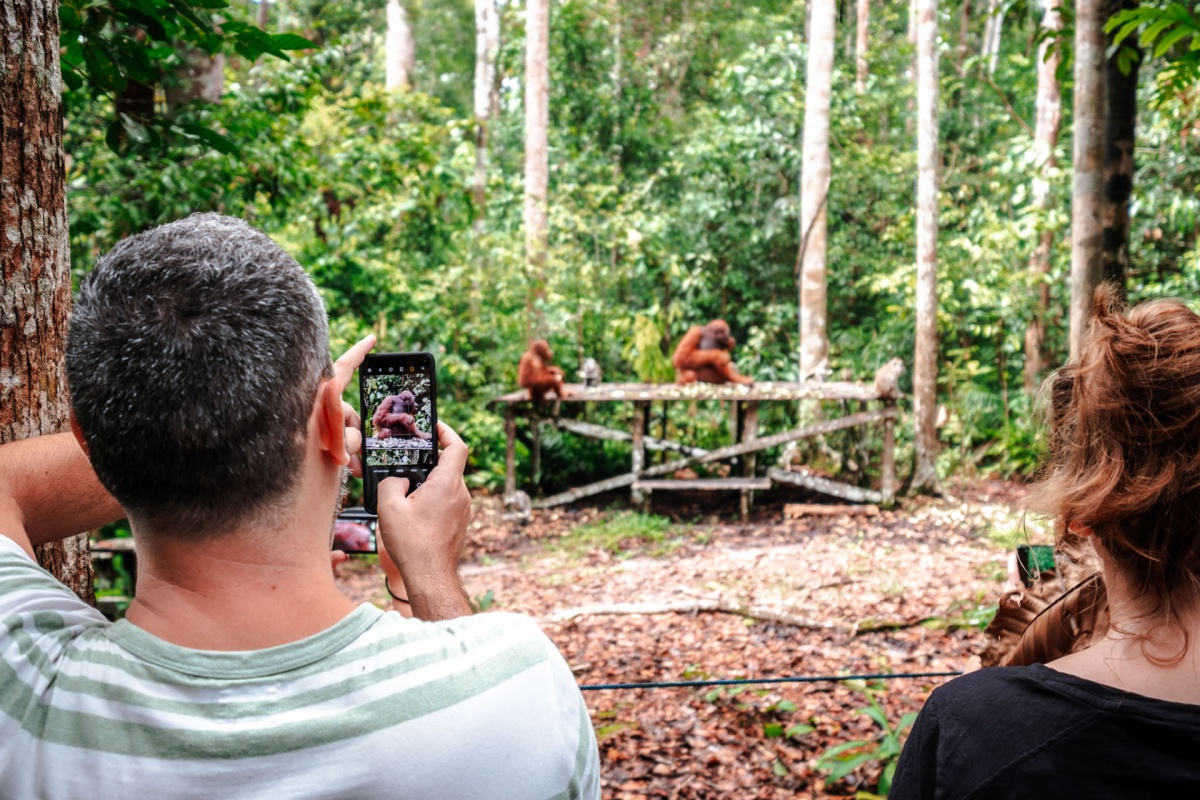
[127,49]
[842,759]
[481,603]
[645,353]
[675,164]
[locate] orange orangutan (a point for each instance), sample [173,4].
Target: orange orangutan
[394,417]
[703,355]
[537,373]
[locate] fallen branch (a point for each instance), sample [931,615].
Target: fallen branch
[875,626]
[694,606]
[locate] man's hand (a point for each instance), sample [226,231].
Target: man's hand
[424,532]
[343,372]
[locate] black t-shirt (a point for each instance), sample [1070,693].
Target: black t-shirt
[1022,732]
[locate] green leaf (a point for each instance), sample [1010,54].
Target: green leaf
[799,730]
[786,706]
[1151,33]
[876,713]
[213,139]
[291,41]
[1124,33]
[113,135]
[1170,40]
[772,730]
[844,768]
[835,751]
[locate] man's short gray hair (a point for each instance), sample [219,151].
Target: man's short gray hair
[193,358]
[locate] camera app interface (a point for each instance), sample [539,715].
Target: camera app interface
[398,422]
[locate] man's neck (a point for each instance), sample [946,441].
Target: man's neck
[235,592]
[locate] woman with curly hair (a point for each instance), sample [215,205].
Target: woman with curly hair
[1120,718]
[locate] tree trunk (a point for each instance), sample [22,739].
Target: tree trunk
[964,32]
[991,35]
[861,43]
[199,77]
[36,299]
[1119,124]
[487,44]
[926,345]
[264,8]
[1049,119]
[1087,191]
[814,191]
[401,49]
[537,124]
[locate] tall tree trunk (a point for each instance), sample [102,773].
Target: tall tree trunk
[862,24]
[992,28]
[487,44]
[401,49]
[198,77]
[34,259]
[964,32]
[537,124]
[1049,119]
[264,9]
[926,345]
[1087,195]
[814,191]
[1119,135]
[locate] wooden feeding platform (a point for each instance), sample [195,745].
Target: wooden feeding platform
[643,479]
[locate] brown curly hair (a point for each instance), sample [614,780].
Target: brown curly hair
[1124,446]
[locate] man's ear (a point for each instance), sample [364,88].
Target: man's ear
[331,421]
[78,432]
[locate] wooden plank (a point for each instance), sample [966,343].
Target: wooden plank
[772,441]
[570,496]
[703,484]
[794,510]
[769,390]
[825,486]
[594,431]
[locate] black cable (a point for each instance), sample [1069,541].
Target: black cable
[885,676]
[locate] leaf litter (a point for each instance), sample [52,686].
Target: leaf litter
[902,591]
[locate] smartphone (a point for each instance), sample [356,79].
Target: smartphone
[1033,560]
[398,407]
[354,531]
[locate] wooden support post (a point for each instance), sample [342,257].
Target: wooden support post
[510,459]
[749,434]
[735,424]
[535,451]
[888,482]
[640,413]
[648,428]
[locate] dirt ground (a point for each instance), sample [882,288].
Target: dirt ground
[902,591]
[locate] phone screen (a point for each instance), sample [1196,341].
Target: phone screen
[354,531]
[399,419]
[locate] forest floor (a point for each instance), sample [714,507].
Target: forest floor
[629,598]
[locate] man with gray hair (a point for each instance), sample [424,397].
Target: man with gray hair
[205,408]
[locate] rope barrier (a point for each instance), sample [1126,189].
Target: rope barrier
[885,676]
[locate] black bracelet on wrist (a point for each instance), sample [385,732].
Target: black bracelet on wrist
[395,596]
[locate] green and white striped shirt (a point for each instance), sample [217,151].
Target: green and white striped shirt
[377,706]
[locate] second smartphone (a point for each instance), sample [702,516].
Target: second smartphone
[398,405]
